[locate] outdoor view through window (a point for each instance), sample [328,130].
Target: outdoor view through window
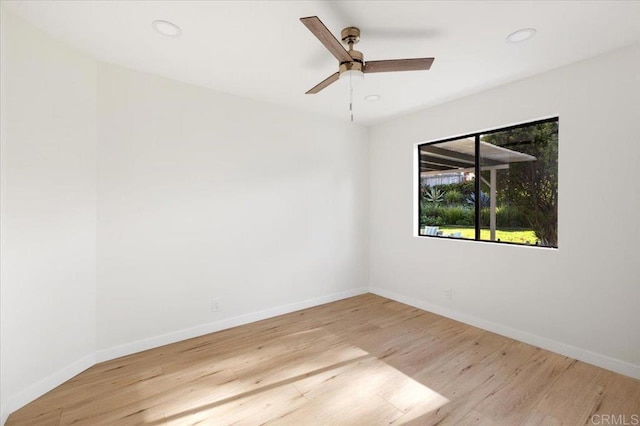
[500,186]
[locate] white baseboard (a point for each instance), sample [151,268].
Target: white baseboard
[45,385]
[613,364]
[200,330]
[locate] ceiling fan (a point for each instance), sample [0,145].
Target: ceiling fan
[351,62]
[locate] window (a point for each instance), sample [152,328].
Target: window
[499,186]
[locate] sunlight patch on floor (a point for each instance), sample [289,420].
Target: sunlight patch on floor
[340,386]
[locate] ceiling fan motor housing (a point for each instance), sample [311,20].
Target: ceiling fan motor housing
[350,36]
[355,65]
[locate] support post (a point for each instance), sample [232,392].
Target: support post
[492,203]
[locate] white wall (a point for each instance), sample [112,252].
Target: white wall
[194,195]
[204,195]
[582,299]
[48,212]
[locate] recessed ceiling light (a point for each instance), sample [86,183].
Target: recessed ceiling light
[521,35]
[166,28]
[372,98]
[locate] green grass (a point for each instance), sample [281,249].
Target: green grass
[520,236]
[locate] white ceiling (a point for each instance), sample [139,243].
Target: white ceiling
[260,49]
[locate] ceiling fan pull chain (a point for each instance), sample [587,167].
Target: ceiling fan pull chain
[351,97]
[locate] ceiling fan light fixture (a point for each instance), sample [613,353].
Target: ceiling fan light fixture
[521,35]
[166,28]
[354,76]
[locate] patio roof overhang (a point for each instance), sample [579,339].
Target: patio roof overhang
[460,157]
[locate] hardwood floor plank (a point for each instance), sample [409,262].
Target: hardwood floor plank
[362,360]
[575,394]
[251,408]
[537,418]
[473,418]
[335,409]
[620,397]
[46,417]
[513,399]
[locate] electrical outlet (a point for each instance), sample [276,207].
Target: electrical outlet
[215,305]
[449,293]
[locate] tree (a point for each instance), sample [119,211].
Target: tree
[532,186]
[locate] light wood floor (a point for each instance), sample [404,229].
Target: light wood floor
[360,361]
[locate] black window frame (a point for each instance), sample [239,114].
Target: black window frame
[477,181]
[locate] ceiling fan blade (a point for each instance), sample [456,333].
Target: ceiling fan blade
[323,34]
[417,64]
[327,81]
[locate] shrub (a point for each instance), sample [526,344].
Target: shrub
[431,209]
[431,214]
[458,215]
[485,218]
[484,199]
[465,188]
[453,196]
[506,217]
[510,217]
[434,195]
[431,221]
[469,217]
[460,210]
